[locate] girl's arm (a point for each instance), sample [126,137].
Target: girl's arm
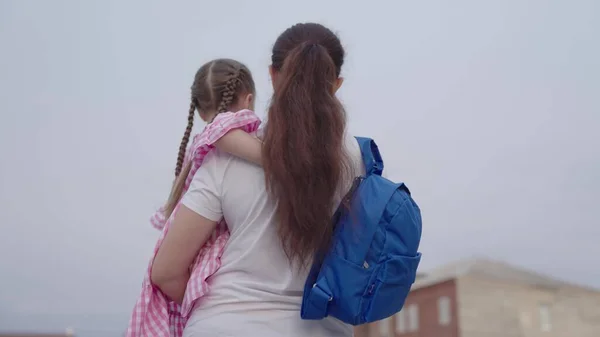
[241,144]
[171,267]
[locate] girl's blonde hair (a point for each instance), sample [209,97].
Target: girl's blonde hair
[218,85]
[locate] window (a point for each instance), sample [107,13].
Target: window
[545,319]
[413,318]
[444,316]
[400,321]
[384,327]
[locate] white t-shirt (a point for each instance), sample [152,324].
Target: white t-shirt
[256,292]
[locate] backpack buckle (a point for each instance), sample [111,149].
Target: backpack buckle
[330,297]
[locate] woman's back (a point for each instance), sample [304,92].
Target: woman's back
[256,291]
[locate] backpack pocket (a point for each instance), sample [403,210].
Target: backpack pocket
[391,286]
[347,281]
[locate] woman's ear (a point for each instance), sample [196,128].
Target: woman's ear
[272,75]
[338,83]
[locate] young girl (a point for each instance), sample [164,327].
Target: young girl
[223,94]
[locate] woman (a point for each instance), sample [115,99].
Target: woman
[280,215]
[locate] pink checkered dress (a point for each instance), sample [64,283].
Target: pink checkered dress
[154,315]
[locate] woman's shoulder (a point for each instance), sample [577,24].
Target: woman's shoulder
[222,161]
[351,142]
[353,152]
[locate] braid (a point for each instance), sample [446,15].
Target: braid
[228,93]
[185,139]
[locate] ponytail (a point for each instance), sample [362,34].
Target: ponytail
[303,152]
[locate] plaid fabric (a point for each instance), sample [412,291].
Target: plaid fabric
[154,315]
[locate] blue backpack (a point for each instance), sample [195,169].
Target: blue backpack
[372,263]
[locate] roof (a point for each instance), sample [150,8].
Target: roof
[485,268]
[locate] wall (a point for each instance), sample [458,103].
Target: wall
[426,300]
[493,308]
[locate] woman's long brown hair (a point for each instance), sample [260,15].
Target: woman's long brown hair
[303,153]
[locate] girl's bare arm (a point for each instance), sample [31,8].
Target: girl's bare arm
[241,144]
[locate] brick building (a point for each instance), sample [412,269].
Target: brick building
[482,298]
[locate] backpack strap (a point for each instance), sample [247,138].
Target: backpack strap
[370,155]
[316,297]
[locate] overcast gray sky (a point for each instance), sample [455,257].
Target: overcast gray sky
[488,110]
